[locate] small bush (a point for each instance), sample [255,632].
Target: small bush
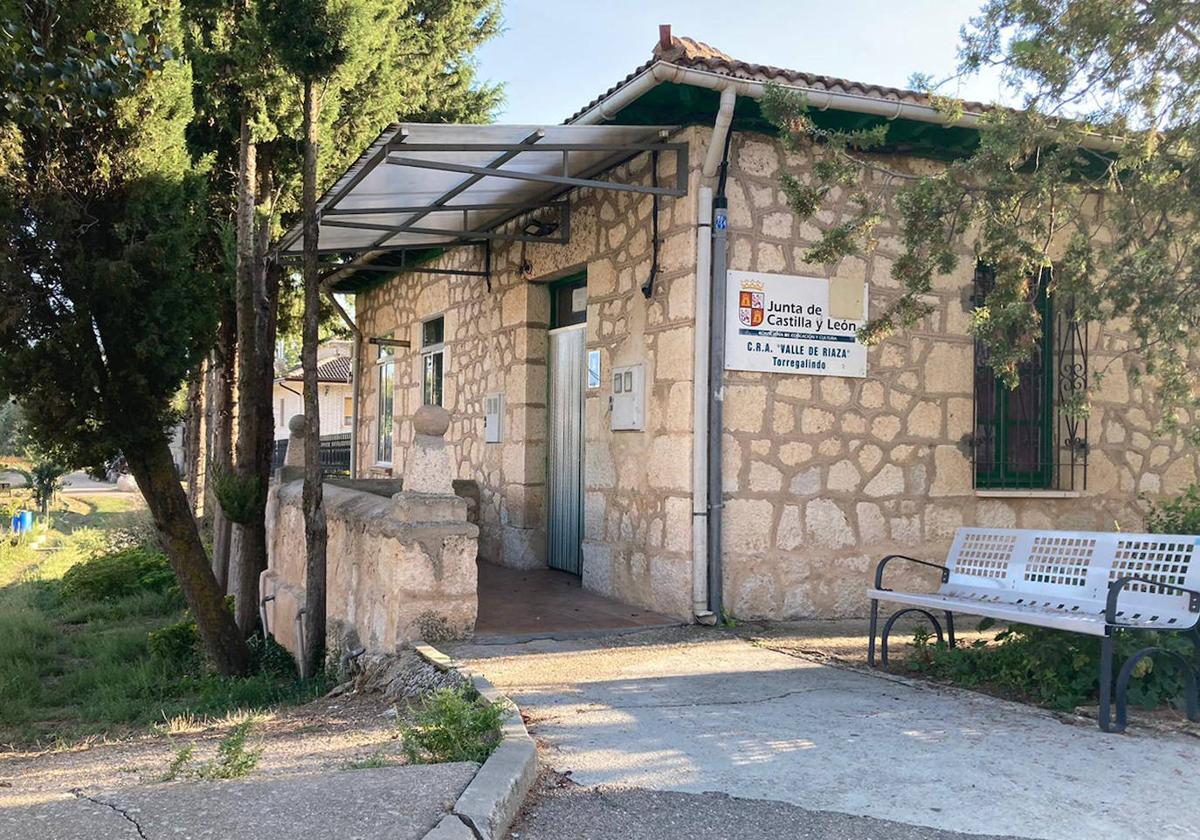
[118,574]
[234,760]
[179,762]
[1180,515]
[177,644]
[1052,667]
[241,497]
[453,725]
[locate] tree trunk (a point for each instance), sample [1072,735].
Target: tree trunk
[156,476]
[221,451]
[315,534]
[191,436]
[248,559]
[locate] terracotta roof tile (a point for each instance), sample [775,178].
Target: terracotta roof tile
[336,369]
[692,54]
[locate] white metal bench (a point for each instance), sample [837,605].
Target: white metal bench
[1093,583]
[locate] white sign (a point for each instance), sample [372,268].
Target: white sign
[777,323]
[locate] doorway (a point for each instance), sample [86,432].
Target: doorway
[567,365]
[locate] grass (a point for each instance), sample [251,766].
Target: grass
[73,666]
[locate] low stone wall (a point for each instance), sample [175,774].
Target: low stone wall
[400,567]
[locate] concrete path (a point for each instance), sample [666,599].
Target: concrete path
[603,813]
[693,710]
[393,803]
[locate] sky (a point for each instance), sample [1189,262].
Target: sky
[555,57]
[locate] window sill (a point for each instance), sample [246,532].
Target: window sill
[1028,494]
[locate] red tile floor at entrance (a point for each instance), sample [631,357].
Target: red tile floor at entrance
[522,604]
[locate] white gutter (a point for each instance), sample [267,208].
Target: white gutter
[663,71]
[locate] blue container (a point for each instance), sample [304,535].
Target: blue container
[26,517]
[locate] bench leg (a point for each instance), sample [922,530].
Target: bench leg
[874,626]
[1106,678]
[1189,683]
[949,628]
[887,631]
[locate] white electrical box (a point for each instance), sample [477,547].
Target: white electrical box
[493,418]
[629,398]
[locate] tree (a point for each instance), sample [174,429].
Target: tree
[403,60]
[102,309]
[1086,190]
[309,39]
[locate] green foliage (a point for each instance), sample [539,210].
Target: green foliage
[1051,667]
[43,86]
[453,725]
[179,762]
[1180,515]
[73,665]
[178,643]
[234,759]
[119,574]
[1086,192]
[241,497]
[374,761]
[100,220]
[308,36]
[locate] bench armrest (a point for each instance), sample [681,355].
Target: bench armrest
[1116,587]
[882,563]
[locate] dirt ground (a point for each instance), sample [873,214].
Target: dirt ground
[326,734]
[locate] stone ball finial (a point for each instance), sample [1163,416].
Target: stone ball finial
[297,425]
[431,420]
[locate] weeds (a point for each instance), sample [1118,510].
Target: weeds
[453,725]
[234,759]
[183,757]
[374,761]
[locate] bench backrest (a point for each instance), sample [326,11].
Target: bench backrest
[1072,569]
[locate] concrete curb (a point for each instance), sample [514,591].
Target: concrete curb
[487,808]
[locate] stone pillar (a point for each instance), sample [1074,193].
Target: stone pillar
[427,467]
[298,428]
[427,495]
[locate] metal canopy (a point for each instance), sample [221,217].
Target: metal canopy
[421,186]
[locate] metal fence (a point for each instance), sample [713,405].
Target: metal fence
[335,454]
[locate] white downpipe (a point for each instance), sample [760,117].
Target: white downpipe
[700,403]
[700,358]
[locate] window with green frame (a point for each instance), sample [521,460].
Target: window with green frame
[1015,428]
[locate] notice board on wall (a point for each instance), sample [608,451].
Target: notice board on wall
[780,323]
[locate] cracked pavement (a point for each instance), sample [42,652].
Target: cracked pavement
[711,724]
[396,803]
[113,790]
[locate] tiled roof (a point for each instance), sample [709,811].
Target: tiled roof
[336,369]
[696,55]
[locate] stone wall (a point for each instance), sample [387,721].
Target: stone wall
[400,568]
[824,475]
[637,485]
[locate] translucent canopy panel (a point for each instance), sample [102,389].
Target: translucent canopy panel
[424,185]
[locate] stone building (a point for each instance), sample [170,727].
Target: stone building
[574,354]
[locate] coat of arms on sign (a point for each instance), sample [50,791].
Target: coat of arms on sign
[751,303]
